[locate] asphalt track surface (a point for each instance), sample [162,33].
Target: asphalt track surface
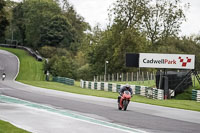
[142,117]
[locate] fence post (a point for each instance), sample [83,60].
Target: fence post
[117,77]
[194,79]
[132,76]
[143,76]
[127,76]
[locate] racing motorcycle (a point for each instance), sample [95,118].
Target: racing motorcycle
[124,101]
[3,76]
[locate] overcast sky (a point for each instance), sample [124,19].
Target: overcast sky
[95,11]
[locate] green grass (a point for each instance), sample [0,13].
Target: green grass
[30,69]
[6,127]
[32,64]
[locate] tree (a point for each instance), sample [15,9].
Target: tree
[18,21]
[43,22]
[159,19]
[77,22]
[3,19]
[55,31]
[128,13]
[112,45]
[163,19]
[30,15]
[62,66]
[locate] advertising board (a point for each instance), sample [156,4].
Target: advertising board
[176,61]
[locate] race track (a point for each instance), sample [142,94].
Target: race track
[107,118]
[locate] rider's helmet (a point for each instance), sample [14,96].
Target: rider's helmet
[127,86]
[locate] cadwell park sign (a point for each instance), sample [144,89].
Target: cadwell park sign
[176,61]
[165,61]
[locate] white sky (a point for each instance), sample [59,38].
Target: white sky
[95,11]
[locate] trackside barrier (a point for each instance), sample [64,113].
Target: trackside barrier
[29,50]
[196,95]
[149,92]
[64,80]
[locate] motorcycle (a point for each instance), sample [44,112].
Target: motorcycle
[124,100]
[3,77]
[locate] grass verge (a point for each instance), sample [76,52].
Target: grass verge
[30,69]
[6,127]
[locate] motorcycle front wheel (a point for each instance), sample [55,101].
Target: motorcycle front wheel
[125,104]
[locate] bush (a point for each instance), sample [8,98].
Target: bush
[47,51]
[62,66]
[84,72]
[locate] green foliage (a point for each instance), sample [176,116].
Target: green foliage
[3,19]
[30,15]
[77,22]
[36,14]
[80,59]
[47,51]
[158,19]
[53,33]
[163,19]
[128,13]
[60,62]
[63,66]
[112,45]
[19,21]
[43,22]
[84,72]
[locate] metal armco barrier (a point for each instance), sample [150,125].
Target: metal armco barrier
[64,80]
[196,95]
[149,92]
[29,50]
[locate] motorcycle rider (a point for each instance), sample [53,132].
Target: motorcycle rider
[127,87]
[3,76]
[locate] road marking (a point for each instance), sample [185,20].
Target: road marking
[8,99]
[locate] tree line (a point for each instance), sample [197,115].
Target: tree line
[76,50]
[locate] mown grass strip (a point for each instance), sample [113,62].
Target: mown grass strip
[30,69]
[6,127]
